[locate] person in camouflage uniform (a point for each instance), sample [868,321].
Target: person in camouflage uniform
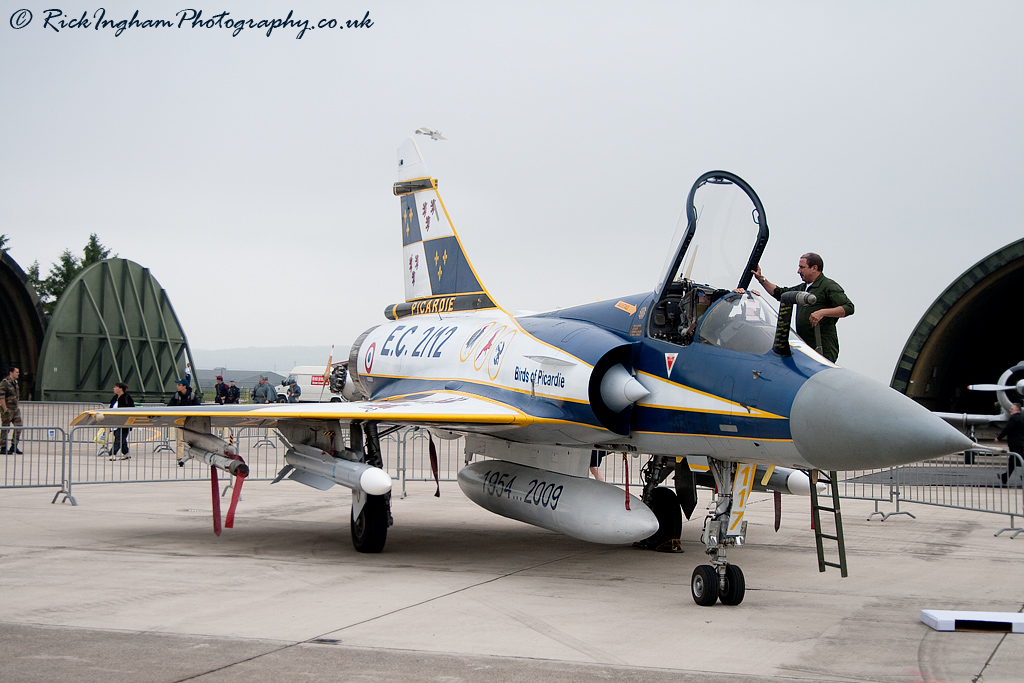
[9,411]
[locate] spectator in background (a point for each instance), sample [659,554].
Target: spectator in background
[596,457]
[220,390]
[264,393]
[121,399]
[10,414]
[1013,432]
[183,395]
[234,393]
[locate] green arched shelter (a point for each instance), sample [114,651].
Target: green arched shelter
[114,323]
[971,334]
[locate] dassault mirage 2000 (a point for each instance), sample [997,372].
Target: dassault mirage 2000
[700,368]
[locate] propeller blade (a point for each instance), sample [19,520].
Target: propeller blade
[991,387]
[778,509]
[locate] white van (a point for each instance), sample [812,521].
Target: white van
[310,379]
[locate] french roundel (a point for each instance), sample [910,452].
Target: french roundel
[368,358]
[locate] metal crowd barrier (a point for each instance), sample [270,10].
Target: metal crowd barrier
[42,462]
[58,456]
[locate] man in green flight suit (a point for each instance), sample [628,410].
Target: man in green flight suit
[831,305]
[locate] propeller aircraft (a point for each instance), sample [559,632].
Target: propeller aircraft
[700,368]
[968,421]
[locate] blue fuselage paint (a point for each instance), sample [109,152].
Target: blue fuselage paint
[544,365]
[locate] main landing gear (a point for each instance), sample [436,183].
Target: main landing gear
[723,527]
[371,515]
[666,503]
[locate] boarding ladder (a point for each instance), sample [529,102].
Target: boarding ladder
[816,510]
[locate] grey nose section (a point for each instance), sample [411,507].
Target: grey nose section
[845,421]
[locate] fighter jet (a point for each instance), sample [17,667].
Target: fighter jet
[700,368]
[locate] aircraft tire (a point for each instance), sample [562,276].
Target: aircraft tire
[704,585]
[370,529]
[665,506]
[735,586]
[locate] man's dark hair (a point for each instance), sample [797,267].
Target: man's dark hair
[12,369]
[814,261]
[122,386]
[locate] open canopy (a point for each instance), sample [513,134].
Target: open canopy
[720,237]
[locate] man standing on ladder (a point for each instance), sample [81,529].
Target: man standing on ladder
[815,323]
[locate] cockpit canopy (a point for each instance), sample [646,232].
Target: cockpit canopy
[740,322]
[728,320]
[719,240]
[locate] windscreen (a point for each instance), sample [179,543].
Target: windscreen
[740,322]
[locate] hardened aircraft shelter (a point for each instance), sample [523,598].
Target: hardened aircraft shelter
[114,323]
[21,322]
[969,335]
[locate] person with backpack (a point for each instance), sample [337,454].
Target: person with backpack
[183,395]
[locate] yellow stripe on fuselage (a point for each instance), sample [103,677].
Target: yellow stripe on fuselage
[744,411]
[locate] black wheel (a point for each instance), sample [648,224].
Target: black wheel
[665,506]
[735,586]
[282,399]
[335,399]
[370,529]
[704,585]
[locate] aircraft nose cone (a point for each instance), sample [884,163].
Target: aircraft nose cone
[845,421]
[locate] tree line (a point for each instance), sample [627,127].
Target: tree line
[66,269]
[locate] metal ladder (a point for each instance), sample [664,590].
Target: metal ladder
[816,510]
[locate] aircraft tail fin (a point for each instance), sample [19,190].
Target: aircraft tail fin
[438,276]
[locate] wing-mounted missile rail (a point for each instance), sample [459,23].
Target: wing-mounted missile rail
[316,468]
[320,459]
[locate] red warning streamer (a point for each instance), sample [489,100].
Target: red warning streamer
[778,509]
[236,495]
[216,500]
[433,466]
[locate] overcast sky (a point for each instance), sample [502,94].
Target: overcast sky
[252,174]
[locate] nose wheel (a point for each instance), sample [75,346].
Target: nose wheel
[709,584]
[704,585]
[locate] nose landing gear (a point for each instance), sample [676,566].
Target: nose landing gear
[723,527]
